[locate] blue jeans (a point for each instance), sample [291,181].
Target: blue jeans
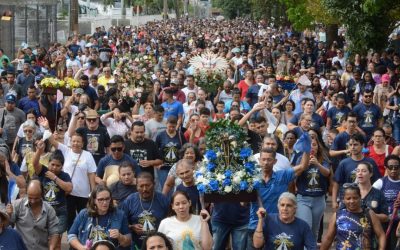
[310,209]
[396,129]
[221,232]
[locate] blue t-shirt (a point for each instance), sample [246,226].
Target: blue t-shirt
[269,193]
[175,108]
[311,182]
[336,115]
[91,92]
[169,147]
[390,189]
[53,194]
[252,94]
[11,240]
[375,200]
[147,213]
[294,235]
[346,171]
[25,104]
[109,160]
[230,213]
[368,117]
[317,121]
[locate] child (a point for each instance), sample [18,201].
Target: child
[204,123]
[220,111]
[184,170]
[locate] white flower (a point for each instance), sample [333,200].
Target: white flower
[252,158]
[236,179]
[200,179]
[145,57]
[206,181]
[220,177]
[233,144]
[228,189]
[240,173]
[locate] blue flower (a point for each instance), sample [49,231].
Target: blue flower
[244,185]
[211,166]
[245,152]
[214,185]
[226,182]
[198,174]
[201,188]
[228,173]
[211,155]
[249,166]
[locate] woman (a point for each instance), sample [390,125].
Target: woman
[56,184]
[287,114]
[390,187]
[366,83]
[312,184]
[156,241]
[379,149]
[393,104]
[371,197]
[187,231]
[283,230]
[126,184]
[289,139]
[382,92]
[353,225]
[25,144]
[147,114]
[80,166]
[116,122]
[188,152]
[194,131]
[99,221]
[347,74]
[245,84]
[304,125]
[337,112]
[316,120]
[279,128]
[187,108]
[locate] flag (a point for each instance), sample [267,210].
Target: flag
[303,144]
[60,95]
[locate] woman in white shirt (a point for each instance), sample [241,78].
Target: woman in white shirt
[183,227]
[116,122]
[80,166]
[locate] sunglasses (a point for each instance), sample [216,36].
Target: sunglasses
[393,167]
[350,185]
[119,149]
[91,119]
[368,96]
[28,131]
[81,118]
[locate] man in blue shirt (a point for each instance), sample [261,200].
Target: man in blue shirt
[172,107]
[369,114]
[91,92]
[26,78]
[275,183]
[30,101]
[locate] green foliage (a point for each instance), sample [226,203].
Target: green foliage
[233,8]
[368,22]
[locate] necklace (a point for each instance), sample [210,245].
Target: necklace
[151,204]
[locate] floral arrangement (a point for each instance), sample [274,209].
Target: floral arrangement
[228,165]
[209,71]
[209,80]
[51,82]
[285,82]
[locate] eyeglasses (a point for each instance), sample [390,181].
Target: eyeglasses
[368,96]
[119,149]
[28,131]
[101,200]
[81,118]
[91,119]
[350,185]
[393,167]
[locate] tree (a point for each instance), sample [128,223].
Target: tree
[233,8]
[368,23]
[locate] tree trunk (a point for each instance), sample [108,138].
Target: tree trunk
[73,15]
[176,7]
[165,9]
[331,34]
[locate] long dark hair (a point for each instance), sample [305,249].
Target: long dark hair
[171,212]
[167,241]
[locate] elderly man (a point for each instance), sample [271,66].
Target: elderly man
[34,219]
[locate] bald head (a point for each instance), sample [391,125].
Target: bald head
[34,192]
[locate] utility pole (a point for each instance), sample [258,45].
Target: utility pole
[165,9]
[73,17]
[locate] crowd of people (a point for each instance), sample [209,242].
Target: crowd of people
[113,165]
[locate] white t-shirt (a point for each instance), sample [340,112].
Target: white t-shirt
[282,162]
[85,166]
[182,233]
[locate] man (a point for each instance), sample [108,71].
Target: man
[190,86]
[106,77]
[156,124]
[11,87]
[143,150]
[26,78]
[339,58]
[299,94]
[34,219]
[252,92]
[369,114]
[97,139]
[274,184]
[107,169]
[346,171]
[9,238]
[30,101]
[11,119]
[244,106]
[282,161]
[172,107]
[177,94]
[224,94]
[91,92]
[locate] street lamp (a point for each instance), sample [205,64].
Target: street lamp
[7,15]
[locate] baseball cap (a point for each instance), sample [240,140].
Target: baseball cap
[91,114]
[79,91]
[11,98]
